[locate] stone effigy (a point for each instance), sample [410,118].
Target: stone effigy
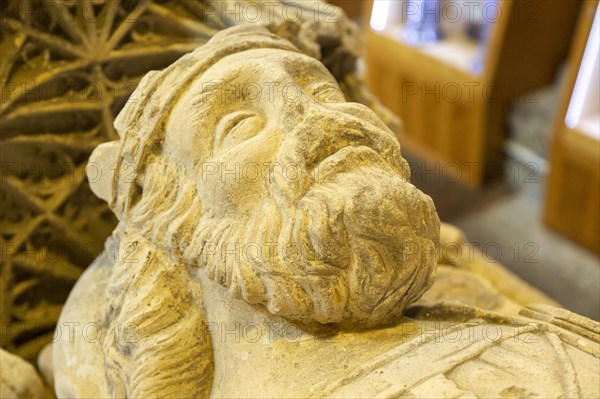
[67,68]
[270,245]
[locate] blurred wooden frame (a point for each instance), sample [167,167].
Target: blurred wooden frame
[573,191]
[467,132]
[352,8]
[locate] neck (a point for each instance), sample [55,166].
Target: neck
[250,345]
[232,320]
[247,342]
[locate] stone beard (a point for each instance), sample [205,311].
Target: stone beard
[345,239]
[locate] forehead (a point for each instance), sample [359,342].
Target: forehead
[260,70]
[264,63]
[253,77]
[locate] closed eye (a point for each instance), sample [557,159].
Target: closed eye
[236,127]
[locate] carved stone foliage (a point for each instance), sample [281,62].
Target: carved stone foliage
[67,68]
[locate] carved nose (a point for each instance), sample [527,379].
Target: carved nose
[328,129]
[331,140]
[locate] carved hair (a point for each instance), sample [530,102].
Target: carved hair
[157,344]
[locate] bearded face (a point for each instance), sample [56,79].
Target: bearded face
[292,198]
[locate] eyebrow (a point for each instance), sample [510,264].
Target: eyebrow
[203,100]
[213,86]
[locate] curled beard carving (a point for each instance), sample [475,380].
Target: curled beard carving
[354,249]
[328,259]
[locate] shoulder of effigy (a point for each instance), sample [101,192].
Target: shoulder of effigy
[435,354]
[573,329]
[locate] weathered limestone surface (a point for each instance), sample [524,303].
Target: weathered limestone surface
[226,278]
[19,380]
[66,70]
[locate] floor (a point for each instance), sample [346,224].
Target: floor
[505,221]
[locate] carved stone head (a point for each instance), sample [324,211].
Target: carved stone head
[244,160]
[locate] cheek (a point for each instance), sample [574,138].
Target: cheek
[236,181]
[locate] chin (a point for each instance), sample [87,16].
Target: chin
[373,241]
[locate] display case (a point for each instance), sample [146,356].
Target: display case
[451,70]
[573,193]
